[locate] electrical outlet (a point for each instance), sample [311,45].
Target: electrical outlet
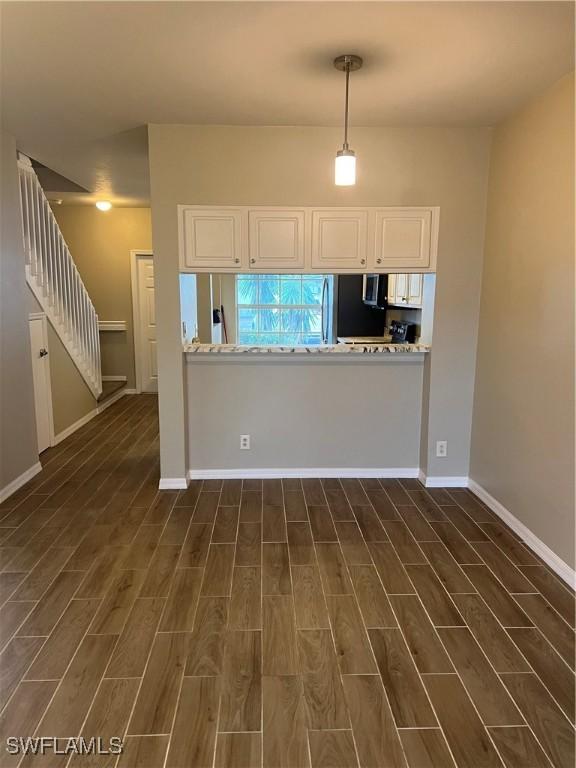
[244,442]
[441,449]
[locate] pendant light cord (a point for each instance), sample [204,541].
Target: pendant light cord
[346,105]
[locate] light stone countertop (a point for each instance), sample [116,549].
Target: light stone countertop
[325,349]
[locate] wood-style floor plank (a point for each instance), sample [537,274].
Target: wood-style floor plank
[300,544]
[438,603]
[543,715]
[206,645]
[518,747]
[333,571]
[52,661]
[182,600]
[497,598]
[309,602]
[420,635]
[218,571]
[285,741]
[390,570]
[246,598]
[462,727]
[194,734]
[350,638]
[279,649]
[402,682]
[374,729]
[241,700]
[372,600]
[158,695]
[426,748]
[549,667]
[480,681]
[332,749]
[552,626]
[496,644]
[248,544]
[325,704]
[131,651]
[275,569]
[143,752]
[238,750]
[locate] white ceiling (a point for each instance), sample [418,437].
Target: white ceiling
[81,80]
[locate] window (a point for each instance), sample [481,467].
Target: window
[280,309]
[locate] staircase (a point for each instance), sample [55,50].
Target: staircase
[55,281]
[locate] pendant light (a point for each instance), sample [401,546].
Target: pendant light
[345,164]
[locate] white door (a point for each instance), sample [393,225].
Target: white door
[41,377]
[145,325]
[339,240]
[276,239]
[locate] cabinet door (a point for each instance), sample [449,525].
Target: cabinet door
[391,289]
[211,238]
[415,287]
[339,240]
[276,239]
[403,238]
[401,291]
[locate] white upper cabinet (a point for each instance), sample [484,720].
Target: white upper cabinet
[339,239]
[405,238]
[405,290]
[277,239]
[211,238]
[305,239]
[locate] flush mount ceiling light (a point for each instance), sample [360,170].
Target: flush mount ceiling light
[103,205]
[345,165]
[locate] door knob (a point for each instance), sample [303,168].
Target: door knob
[43,352]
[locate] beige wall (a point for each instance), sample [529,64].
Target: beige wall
[293,166]
[523,428]
[100,244]
[18,446]
[71,397]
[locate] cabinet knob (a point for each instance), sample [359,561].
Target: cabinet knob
[237,261]
[252,261]
[378,261]
[362,261]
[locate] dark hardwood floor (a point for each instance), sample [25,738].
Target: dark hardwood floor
[279,623]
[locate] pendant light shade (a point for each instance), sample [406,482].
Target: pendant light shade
[345,168]
[345,164]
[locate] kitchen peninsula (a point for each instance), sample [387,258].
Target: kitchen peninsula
[316,411]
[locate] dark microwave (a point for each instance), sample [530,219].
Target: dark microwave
[374,290]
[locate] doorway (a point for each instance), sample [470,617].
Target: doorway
[41,378]
[144,316]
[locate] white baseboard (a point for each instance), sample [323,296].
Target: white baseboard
[114,378]
[89,416]
[443,482]
[18,482]
[131,392]
[173,484]
[562,569]
[267,472]
[110,401]
[73,427]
